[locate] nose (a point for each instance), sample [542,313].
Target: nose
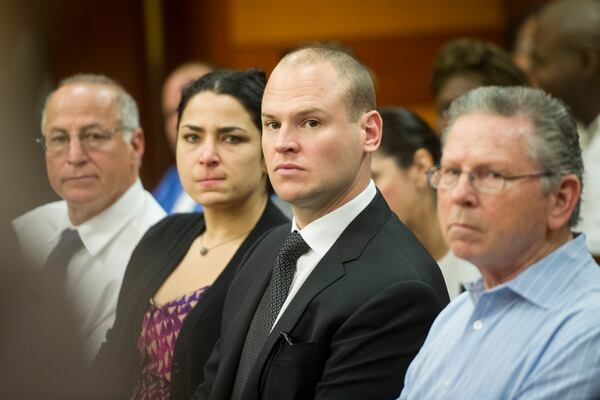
[463,192]
[208,152]
[77,155]
[286,140]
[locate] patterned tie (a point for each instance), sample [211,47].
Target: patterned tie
[54,272]
[270,305]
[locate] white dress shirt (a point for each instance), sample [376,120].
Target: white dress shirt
[590,198]
[321,234]
[457,273]
[95,272]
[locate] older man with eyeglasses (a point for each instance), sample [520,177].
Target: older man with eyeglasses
[93,146]
[509,188]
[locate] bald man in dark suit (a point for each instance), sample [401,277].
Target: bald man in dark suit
[337,304]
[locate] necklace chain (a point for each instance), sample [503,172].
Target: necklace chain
[205,249]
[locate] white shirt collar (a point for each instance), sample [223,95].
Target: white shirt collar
[99,230]
[322,233]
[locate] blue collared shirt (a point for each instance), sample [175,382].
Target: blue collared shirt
[536,336]
[170,195]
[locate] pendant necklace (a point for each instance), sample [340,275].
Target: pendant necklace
[204,249]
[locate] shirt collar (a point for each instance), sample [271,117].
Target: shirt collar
[322,233]
[99,230]
[542,282]
[595,125]
[588,134]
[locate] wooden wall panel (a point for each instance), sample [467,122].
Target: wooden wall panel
[107,37]
[273,21]
[23,82]
[398,39]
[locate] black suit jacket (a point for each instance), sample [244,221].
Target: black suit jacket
[154,259]
[353,327]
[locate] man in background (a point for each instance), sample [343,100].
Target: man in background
[566,64]
[93,147]
[465,64]
[169,193]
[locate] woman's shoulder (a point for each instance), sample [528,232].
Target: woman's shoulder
[171,229]
[175,223]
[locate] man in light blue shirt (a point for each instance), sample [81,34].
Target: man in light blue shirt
[509,188]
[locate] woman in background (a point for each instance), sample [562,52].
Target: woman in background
[408,149]
[169,310]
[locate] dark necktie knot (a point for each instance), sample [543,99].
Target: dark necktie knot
[275,295]
[55,268]
[292,249]
[69,242]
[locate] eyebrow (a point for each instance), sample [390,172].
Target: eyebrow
[493,165]
[301,113]
[56,129]
[220,131]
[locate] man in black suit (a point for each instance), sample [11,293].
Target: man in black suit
[344,317]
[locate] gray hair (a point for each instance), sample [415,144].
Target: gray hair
[127,108]
[360,94]
[555,143]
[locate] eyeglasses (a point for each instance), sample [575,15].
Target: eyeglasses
[483,180]
[91,138]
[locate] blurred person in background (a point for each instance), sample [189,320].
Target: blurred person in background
[567,65]
[93,146]
[409,148]
[169,310]
[169,193]
[465,64]
[41,351]
[522,39]
[40,346]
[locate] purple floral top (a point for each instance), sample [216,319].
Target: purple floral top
[156,344]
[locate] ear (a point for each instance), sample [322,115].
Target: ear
[563,202]
[138,143]
[422,161]
[372,124]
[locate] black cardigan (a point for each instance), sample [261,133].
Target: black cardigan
[155,257]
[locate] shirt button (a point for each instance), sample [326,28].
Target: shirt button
[477,325]
[176,368]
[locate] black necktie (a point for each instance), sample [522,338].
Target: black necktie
[54,272]
[283,272]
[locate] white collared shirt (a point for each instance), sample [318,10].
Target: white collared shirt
[321,234]
[590,198]
[96,271]
[457,273]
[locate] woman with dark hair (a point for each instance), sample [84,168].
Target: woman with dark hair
[170,304]
[409,147]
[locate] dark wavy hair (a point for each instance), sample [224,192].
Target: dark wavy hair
[247,87]
[489,63]
[404,133]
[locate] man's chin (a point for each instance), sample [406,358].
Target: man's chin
[80,197]
[464,249]
[291,197]
[290,192]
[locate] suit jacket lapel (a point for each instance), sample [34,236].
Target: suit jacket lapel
[348,247]
[252,283]
[327,271]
